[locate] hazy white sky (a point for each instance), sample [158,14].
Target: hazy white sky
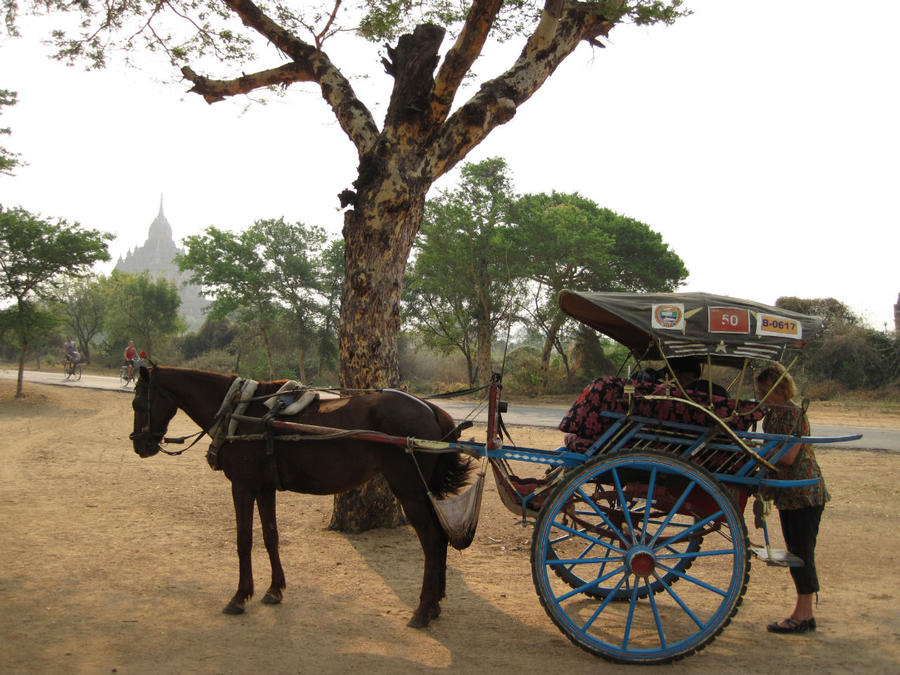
[761,139]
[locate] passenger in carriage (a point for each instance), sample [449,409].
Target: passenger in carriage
[687,371]
[799,509]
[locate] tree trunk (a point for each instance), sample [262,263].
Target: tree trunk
[378,235]
[549,340]
[483,361]
[21,378]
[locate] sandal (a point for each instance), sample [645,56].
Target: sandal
[791,626]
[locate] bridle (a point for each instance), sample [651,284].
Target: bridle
[141,403]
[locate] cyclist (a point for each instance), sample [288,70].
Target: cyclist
[70,352]
[130,355]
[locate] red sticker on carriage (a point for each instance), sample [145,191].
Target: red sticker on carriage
[729,320]
[772,324]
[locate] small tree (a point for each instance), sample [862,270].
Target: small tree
[459,285]
[85,304]
[142,309]
[846,351]
[268,270]
[38,257]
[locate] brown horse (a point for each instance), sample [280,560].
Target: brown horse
[313,467]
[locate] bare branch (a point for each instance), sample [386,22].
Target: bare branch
[218,90]
[320,37]
[557,35]
[462,55]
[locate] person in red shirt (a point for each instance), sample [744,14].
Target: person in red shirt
[130,355]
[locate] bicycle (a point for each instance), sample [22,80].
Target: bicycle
[72,370]
[124,377]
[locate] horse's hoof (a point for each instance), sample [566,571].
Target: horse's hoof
[233,608]
[418,622]
[271,599]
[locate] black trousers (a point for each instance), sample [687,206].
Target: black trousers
[800,528]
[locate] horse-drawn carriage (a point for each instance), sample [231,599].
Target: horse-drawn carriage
[640,553]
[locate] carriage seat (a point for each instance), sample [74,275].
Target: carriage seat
[583,424]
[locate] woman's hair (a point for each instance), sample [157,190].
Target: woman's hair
[770,375]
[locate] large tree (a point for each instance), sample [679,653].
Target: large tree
[38,257]
[425,131]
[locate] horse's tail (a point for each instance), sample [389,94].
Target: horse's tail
[453,468]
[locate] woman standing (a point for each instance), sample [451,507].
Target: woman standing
[800,508]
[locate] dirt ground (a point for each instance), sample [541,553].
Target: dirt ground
[110,563]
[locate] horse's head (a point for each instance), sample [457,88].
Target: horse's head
[153,409]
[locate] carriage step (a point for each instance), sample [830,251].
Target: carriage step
[777,557]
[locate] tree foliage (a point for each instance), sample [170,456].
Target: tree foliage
[270,273]
[458,287]
[8,160]
[85,302]
[37,257]
[566,241]
[846,352]
[142,309]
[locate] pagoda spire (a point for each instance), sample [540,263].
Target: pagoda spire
[160,230]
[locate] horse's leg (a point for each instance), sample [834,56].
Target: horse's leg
[421,516]
[243,511]
[266,503]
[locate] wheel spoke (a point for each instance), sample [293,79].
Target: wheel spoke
[656,619]
[698,525]
[623,502]
[589,585]
[672,512]
[694,580]
[587,537]
[651,487]
[599,512]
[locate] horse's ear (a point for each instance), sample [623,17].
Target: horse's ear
[143,373]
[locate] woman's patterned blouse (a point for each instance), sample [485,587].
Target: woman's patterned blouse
[790,419]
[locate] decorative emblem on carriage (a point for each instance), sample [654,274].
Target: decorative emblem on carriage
[668,317]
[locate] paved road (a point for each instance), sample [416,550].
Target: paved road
[519,414]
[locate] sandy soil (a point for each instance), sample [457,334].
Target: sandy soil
[110,563]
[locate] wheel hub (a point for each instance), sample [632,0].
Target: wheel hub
[641,561]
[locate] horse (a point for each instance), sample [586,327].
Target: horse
[312,467]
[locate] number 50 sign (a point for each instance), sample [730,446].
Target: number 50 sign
[729,320]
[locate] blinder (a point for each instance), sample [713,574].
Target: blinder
[141,404]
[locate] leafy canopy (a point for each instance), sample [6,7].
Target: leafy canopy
[142,309]
[37,255]
[192,29]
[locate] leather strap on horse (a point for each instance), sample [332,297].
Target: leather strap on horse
[271,455]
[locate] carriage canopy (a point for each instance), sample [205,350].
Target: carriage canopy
[692,324]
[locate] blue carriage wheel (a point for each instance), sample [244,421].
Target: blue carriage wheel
[626,607]
[575,545]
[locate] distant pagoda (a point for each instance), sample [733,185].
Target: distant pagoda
[157,256]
